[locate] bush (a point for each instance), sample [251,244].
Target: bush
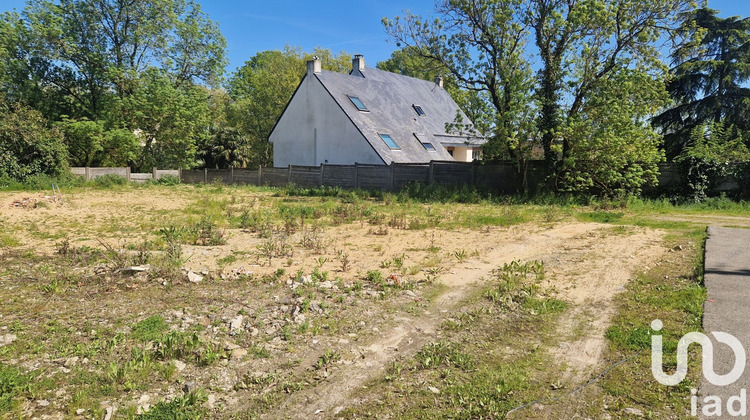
[109,181]
[167,180]
[28,147]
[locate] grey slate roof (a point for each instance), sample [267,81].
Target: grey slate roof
[389,98]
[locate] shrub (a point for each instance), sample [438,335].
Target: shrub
[28,146]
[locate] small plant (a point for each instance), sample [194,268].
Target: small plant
[320,261]
[344,260]
[326,359]
[207,233]
[460,254]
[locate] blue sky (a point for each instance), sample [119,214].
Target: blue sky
[352,26]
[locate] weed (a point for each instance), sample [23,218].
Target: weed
[443,353]
[150,329]
[188,406]
[344,260]
[13,385]
[326,359]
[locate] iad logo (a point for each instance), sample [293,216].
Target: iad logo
[708,357]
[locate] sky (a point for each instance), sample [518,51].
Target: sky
[355,26]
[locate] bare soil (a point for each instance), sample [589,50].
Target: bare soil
[587,264]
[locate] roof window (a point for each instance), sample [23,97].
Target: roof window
[358,103]
[389,141]
[418,110]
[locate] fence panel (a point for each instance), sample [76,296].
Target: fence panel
[219,175]
[406,173]
[275,177]
[193,177]
[339,176]
[453,173]
[246,176]
[374,177]
[305,176]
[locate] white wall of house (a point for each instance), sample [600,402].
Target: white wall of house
[315,130]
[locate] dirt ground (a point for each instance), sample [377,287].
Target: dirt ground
[587,264]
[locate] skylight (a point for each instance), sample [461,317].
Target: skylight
[426,144]
[389,141]
[419,110]
[359,104]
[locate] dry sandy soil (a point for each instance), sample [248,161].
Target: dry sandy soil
[586,263]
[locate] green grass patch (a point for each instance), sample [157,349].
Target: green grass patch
[13,384]
[150,329]
[600,216]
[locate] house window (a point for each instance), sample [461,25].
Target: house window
[419,110]
[389,141]
[426,144]
[358,103]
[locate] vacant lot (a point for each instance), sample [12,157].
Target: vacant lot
[242,302]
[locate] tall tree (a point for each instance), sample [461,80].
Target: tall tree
[712,66]
[482,45]
[583,47]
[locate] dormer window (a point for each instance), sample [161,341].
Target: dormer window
[426,144]
[418,109]
[389,141]
[358,103]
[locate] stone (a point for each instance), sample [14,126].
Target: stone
[254,332]
[238,354]
[433,389]
[71,361]
[193,277]
[43,403]
[179,365]
[189,387]
[633,412]
[410,293]
[326,285]
[236,324]
[110,412]
[80,411]
[7,339]
[135,269]
[211,401]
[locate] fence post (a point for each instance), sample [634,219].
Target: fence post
[289,174]
[231,175]
[205,175]
[393,181]
[322,168]
[87,173]
[153,173]
[473,173]
[431,173]
[179,174]
[127,173]
[356,175]
[260,175]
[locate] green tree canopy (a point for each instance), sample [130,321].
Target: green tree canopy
[712,66]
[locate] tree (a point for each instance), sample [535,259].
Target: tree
[715,152]
[711,67]
[263,86]
[583,48]
[481,44]
[90,143]
[28,146]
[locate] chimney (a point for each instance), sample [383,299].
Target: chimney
[439,81]
[358,65]
[314,66]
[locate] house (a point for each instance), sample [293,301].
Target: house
[368,116]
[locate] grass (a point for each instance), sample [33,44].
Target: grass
[137,336]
